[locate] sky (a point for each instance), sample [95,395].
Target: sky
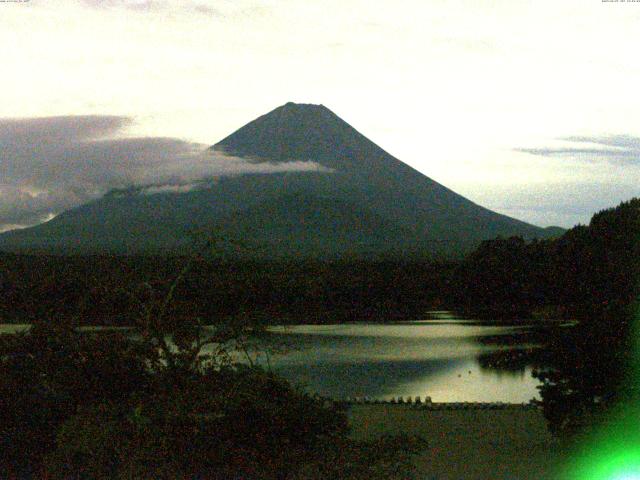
[528,107]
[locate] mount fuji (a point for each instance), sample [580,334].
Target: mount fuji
[359,202]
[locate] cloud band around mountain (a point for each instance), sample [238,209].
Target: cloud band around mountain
[48,165]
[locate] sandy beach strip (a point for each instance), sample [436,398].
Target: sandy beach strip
[504,444]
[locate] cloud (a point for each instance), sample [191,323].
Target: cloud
[614,149]
[623,141]
[133,4]
[565,204]
[220,8]
[49,165]
[20,207]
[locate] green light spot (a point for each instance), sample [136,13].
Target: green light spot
[623,466]
[613,453]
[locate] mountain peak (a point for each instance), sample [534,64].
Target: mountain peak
[290,110]
[302,132]
[307,106]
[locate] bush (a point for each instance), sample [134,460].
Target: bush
[250,425]
[47,374]
[86,406]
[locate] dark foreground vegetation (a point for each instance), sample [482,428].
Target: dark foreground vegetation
[89,405]
[108,406]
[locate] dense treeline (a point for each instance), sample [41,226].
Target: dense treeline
[506,278]
[105,290]
[590,274]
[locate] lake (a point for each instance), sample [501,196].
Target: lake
[446,357]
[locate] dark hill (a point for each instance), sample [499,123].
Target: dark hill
[367,204]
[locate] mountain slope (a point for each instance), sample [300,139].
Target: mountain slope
[365,203]
[302,225]
[448,221]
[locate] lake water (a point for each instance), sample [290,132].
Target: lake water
[444,357]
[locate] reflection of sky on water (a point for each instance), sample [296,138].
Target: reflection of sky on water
[437,358]
[422,329]
[409,359]
[377,379]
[458,385]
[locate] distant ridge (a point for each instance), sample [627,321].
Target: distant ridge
[366,203]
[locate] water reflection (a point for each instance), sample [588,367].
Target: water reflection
[445,357]
[448,359]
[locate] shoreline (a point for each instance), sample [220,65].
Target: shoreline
[427,404]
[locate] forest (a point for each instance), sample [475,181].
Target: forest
[104,290]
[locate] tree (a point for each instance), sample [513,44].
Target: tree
[47,374]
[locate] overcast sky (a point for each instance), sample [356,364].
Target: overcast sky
[529,107]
